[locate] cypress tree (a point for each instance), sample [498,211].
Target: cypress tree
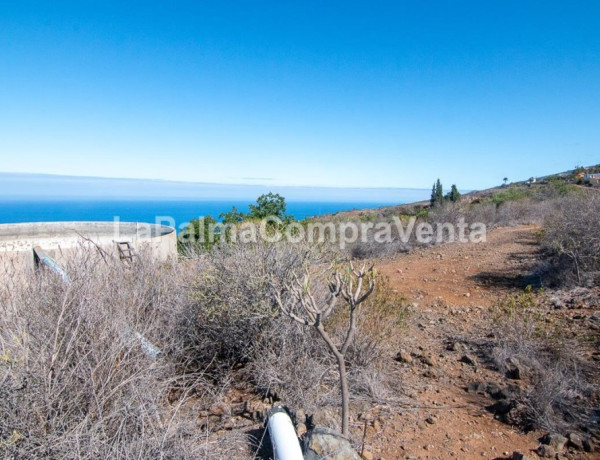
[454,194]
[437,193]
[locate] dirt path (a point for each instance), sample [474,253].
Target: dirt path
[451,289]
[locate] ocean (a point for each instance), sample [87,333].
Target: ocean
[170,212]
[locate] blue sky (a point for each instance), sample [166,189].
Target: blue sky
[342,94]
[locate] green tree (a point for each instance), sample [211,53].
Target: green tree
[232,217]
[270,204]
[200,233]
[453,195]
[437,193]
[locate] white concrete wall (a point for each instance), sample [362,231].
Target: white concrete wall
[61,239]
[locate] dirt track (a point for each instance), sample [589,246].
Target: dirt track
[452,288]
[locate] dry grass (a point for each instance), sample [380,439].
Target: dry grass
[76,378]
[559,392]
[572,241]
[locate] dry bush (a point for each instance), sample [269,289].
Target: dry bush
[482,212]
[294,363]
[447,212]
[371,249]
[76,378]
[518,212]
[559,391]
[370,246]
[572,241]
[525,212]
[380,329]
[231,305]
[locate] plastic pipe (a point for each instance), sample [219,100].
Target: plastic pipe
[149,349]
[283,435]
[49,262]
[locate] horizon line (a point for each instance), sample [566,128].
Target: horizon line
[207,183]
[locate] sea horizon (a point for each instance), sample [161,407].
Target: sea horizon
[55,198]
[177,213]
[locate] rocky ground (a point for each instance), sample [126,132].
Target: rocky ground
[444,386]
[452,289]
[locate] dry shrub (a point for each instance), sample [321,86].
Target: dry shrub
[524,211]
[296,365]
[378,326]
[556,398]
[368,245]
[77,381]
[76,376]
[482,212]
[371,249]
[293,364]
[231,306]
[447,212]
[572,241]
[380,330]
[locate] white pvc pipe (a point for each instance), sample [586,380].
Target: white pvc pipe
[49,262]
[283,435]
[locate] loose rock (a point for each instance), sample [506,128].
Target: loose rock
[546,451]
[575,441]
[323,443]
[468,359]
[555,440]
[404,357]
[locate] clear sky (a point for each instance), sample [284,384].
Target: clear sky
[318,93]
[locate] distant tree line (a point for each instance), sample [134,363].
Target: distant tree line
[438,197]
[198,231]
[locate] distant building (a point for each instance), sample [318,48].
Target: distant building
[593,177]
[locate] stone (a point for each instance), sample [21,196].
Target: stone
[323,416]
[428,360]
[431,373]
[557,303]
[546,451]
[514,369]
[468,359]
[404,357]
[494,390]
[502,407]
[575,441]
[366,455]
[589,446]
[456,346]
[476,387]
[519,456]
[509,392]
[301,429]
[323,443]
[555,440]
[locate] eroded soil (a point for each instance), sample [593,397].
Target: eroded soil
[453,289]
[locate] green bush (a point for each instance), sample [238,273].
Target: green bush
[512,193]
